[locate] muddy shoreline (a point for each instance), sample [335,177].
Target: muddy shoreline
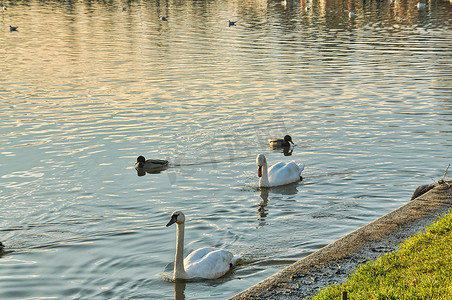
[334,262]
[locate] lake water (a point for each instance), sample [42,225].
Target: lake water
[87,86]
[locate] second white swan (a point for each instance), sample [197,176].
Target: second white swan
[279,174]
[207,262]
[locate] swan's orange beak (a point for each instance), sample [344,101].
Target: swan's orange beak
[259,171]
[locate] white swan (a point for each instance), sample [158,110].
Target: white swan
[278,174]
[207,262]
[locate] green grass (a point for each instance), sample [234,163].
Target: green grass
[420,269]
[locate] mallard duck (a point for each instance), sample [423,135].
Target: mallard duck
[207,262]
[12,28]
[232,23]
[164,18]
[154,164]
[278,143]
[279,174]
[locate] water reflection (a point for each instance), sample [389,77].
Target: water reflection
[288,189]
[286,151]
[179,289]
[262,210]
[2,249]
[144,171]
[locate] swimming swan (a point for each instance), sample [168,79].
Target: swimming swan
[207,263]
[278,174]
[154,164]
[277,143]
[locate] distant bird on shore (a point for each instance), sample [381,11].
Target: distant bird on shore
[164,18]
[232,23]
[351,14]
[420,5]
[12,28]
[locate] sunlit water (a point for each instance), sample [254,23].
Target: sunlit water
[86,87]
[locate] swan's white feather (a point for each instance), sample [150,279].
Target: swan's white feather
[208,262]
[284,173]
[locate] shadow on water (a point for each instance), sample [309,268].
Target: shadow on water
[179,289]
[262,210]
[286,151]
[144,171]
[181,284]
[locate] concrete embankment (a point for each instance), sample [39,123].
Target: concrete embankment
[334,262]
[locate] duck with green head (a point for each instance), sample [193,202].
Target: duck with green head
[281,143]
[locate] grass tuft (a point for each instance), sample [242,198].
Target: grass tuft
[420,269]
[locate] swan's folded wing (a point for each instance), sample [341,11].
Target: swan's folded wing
[198,255]
[282,173]
[212,263]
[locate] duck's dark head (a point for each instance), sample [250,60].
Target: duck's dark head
[140,161]
[288,139]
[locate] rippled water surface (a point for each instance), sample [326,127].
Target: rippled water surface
[87,86]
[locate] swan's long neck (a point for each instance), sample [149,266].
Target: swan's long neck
[263,181]
[179,270]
